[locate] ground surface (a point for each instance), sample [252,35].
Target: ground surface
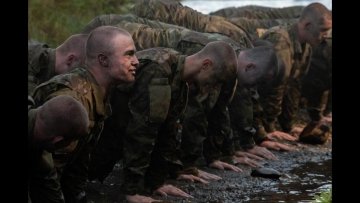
[306,172]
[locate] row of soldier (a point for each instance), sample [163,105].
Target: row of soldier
[168,91]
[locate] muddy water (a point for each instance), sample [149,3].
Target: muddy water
[301,185]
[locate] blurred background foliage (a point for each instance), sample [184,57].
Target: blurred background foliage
[53,21]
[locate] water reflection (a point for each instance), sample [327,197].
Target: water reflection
[301,185]
[207,6]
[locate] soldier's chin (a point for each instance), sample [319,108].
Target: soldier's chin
[131,78]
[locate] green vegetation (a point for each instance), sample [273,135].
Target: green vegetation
[52,21]
[324,197]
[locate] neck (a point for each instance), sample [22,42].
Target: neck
[299,31]
[189,69]
[58,57]
[102,80]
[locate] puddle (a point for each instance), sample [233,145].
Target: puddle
[300,184]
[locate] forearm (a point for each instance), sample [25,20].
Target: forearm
[139,142]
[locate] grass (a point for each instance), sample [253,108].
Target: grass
[324,197]
[53,21]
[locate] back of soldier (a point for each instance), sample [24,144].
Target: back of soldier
[260,12]
[175,13]
[148,33]
[41,64]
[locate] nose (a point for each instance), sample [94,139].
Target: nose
[134,61]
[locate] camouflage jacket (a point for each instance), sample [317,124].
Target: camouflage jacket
[80,84]
[155,33]
[260,12]
[41,64]
[256,27]
[295,58]
[319,79]
[157,101]
[114,19]
[43,180]
[149,33]
[174,12]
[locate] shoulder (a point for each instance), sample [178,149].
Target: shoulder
[75,81]
[37,52]
[164,57]
[279,36]
[277,32]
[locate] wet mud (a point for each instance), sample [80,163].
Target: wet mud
[306,172]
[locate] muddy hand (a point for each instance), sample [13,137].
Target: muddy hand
[249,155]
[263,152]
[191,178]
[140,199]
[281,136]
[208,176]
[327,120]
[222,165]
[166,190]
[276,146]
[246,161]
[295,131]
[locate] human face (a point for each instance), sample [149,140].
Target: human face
[123,61]
[318,31]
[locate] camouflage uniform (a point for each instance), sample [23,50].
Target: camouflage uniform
[260,12]
[283,99]
[153,34]
[241,116]
[156,33]
[148,33]
[114,19]
[156,103]
[255,26]
[72,163]
[196,124]
[41,64]
[317,83]
[175,13]
[42,177]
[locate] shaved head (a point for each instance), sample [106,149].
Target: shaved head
[314,23]
[257,64]
[316,11]
[101,39]
[62,116]
[224,58]
[70,54]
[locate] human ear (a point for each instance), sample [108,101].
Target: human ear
[57,139]
[206,63]
[308,26]
[249,66]
[103,60]
[70,59]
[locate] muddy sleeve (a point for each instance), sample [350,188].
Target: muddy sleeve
[148,111]
[219,140]
[241,114]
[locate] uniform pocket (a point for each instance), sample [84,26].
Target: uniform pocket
[160,96]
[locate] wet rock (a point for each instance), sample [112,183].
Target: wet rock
[266,173]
